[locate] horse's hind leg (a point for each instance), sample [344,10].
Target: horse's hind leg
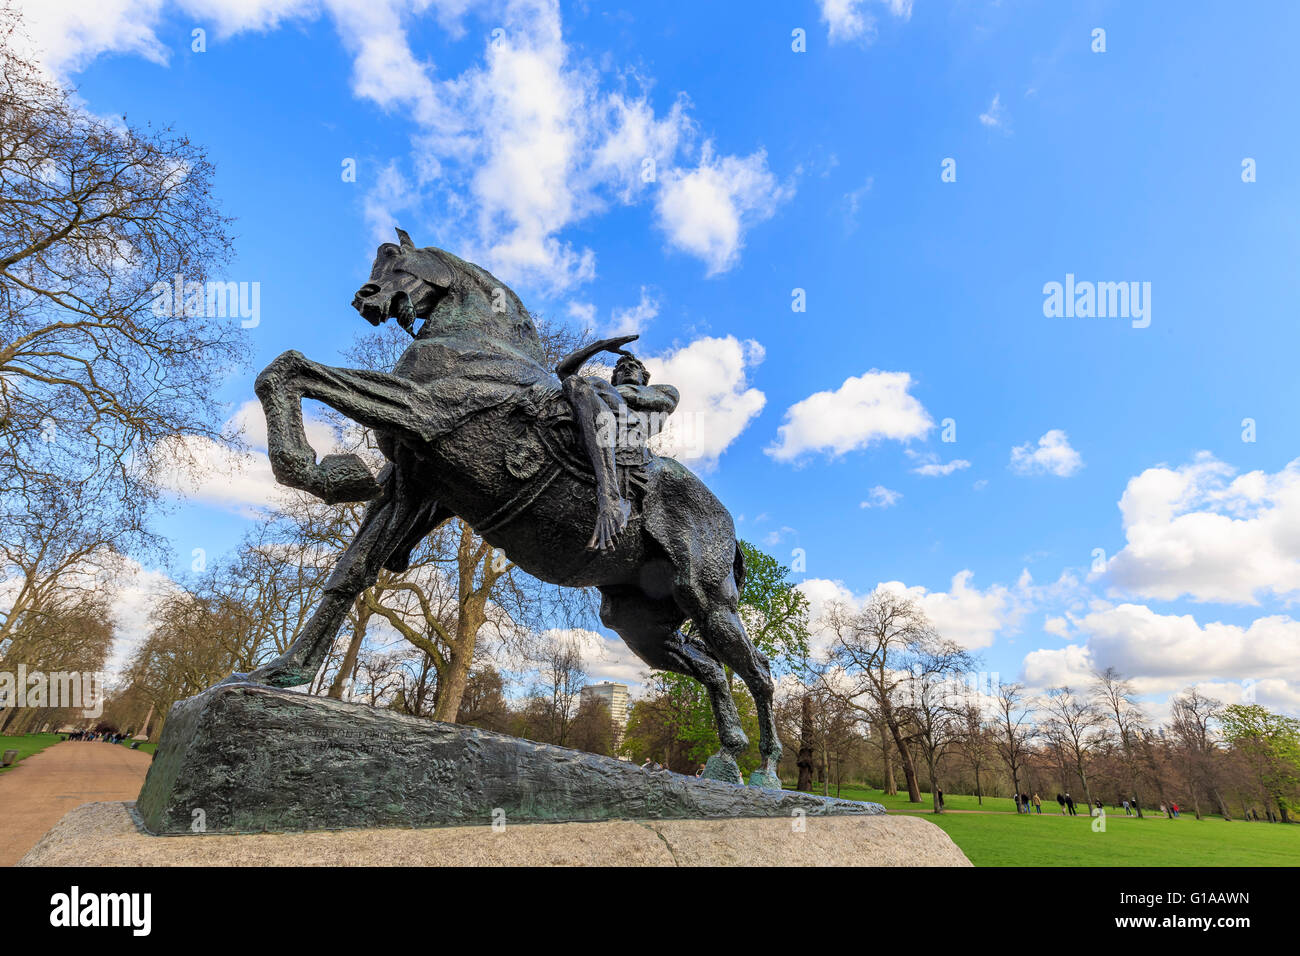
[714,608]
[649,627]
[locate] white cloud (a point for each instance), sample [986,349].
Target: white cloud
[1165,653]
[509,153]
[1052,456]
[603,657]
[705,211]
[134,594]
[995,116]
[1058,626]
[964,614]
[853,203]
[849,19]
[66,35]
[629,321]
[584,312]
[873,406]
[931,467]
[1204,531]
[881,497]
[717,402]
[1137,640]
[240,481]
[1070,666]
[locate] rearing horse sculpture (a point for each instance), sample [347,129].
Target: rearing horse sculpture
[474,425]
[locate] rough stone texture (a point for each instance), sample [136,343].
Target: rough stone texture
[103,834]
[258,759]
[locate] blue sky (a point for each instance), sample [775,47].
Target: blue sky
[820,171]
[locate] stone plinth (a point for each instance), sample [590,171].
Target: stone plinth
[104,834]
[244,758]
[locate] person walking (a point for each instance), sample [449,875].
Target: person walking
[1038,805]
[1069,805]
[1061,800]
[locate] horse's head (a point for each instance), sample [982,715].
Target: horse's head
[405,284]
[453,296]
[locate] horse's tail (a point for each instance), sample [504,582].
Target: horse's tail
[738,569]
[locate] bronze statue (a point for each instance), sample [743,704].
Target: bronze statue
[475,426]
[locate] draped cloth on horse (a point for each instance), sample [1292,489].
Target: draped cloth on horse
[458,380]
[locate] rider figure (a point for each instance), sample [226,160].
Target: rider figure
[616,419]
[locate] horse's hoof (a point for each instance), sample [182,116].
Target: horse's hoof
[347,478]
[765,779]
[722,766]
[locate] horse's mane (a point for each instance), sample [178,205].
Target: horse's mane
[480,289]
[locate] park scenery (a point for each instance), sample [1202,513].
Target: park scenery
[877,401]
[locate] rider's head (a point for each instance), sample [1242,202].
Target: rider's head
[629,371]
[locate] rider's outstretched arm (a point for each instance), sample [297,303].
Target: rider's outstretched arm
[570,364]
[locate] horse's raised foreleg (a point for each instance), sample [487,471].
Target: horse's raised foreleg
[356,570]
[375,399]
[388,524]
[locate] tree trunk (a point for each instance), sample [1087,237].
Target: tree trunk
[1223,807]
[805,758]
[826,765]
[349,662]
[909,766]
[451,686]
[891,786]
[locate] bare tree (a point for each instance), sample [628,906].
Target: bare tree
[1014,729]
[1115,696]
[97,384]
[1192,715]
[1075,726]
[557,692]
[872,650]
[976,743]
[935,702]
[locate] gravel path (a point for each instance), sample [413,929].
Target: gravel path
[39,791]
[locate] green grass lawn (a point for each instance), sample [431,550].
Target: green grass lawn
[953,801]
[1005,838]
[997,840]
[26,745]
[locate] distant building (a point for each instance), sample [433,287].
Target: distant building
[615,698]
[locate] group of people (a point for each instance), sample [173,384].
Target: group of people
[1027,804]
[96,735]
